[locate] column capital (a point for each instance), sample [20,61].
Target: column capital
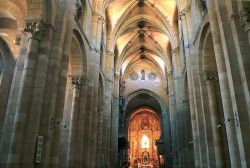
[244,16]
[35,26]
[76,81]
[18,38]
[175,50]
[170,72]
[209,76]
[108,52]
[117,76]
[184,12]
[98,16]
[79,9]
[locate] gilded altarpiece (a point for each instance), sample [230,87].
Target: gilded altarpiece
[144,130]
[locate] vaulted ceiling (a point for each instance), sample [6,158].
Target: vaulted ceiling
[141,30]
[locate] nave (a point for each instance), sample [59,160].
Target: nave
[124,83]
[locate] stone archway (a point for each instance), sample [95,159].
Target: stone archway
[212,100]
[145,99]
[7,66]
[76,79]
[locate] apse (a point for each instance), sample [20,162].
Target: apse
[144,130]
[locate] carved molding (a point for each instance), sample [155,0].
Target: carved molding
[18,38]
[184,12]
[35,26]
[244,16]
[134,76]
[98,16]
[76,81]
[108,52]
[209,76]
[117,76]
[175,50]
[203,6]
[79,10]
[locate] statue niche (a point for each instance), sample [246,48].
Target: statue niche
[145,123]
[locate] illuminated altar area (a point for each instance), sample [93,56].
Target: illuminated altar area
[144,130]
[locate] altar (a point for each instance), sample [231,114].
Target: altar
[145,166]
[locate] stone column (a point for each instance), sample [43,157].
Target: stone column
[244,15]
[88,137]
[8,119]
[224,84]
[176,98]
[186,26]
[35,27]
[73,146]
[107,125]
[51,126]
[181,112]
[97,26]
[210,78]
[108,108]
[172,114]
[115,121]
[167,138]
[240,28]
[101,133]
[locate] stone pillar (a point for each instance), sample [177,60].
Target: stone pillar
[107,108]
[186,27]
[244,15]
[115,121]
[175,97]
[240,28]
[210,78]
[101,133]
[181,112]
[167,138]
[97,26]
[36,28]
[8,120]
[224,84]
[106,154]
[51,126]
[172,117]
[88,133]
[73,145]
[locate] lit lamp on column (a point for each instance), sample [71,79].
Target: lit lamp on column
[161,158]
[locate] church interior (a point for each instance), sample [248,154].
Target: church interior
[124,83]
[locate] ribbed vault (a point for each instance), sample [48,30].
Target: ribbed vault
[141,30]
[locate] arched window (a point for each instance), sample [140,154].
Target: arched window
[145,142]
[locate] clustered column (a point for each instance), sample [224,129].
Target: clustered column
[210,79]
[73,142]
[35,27]
[115,120]
[188,50]
[224,85]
